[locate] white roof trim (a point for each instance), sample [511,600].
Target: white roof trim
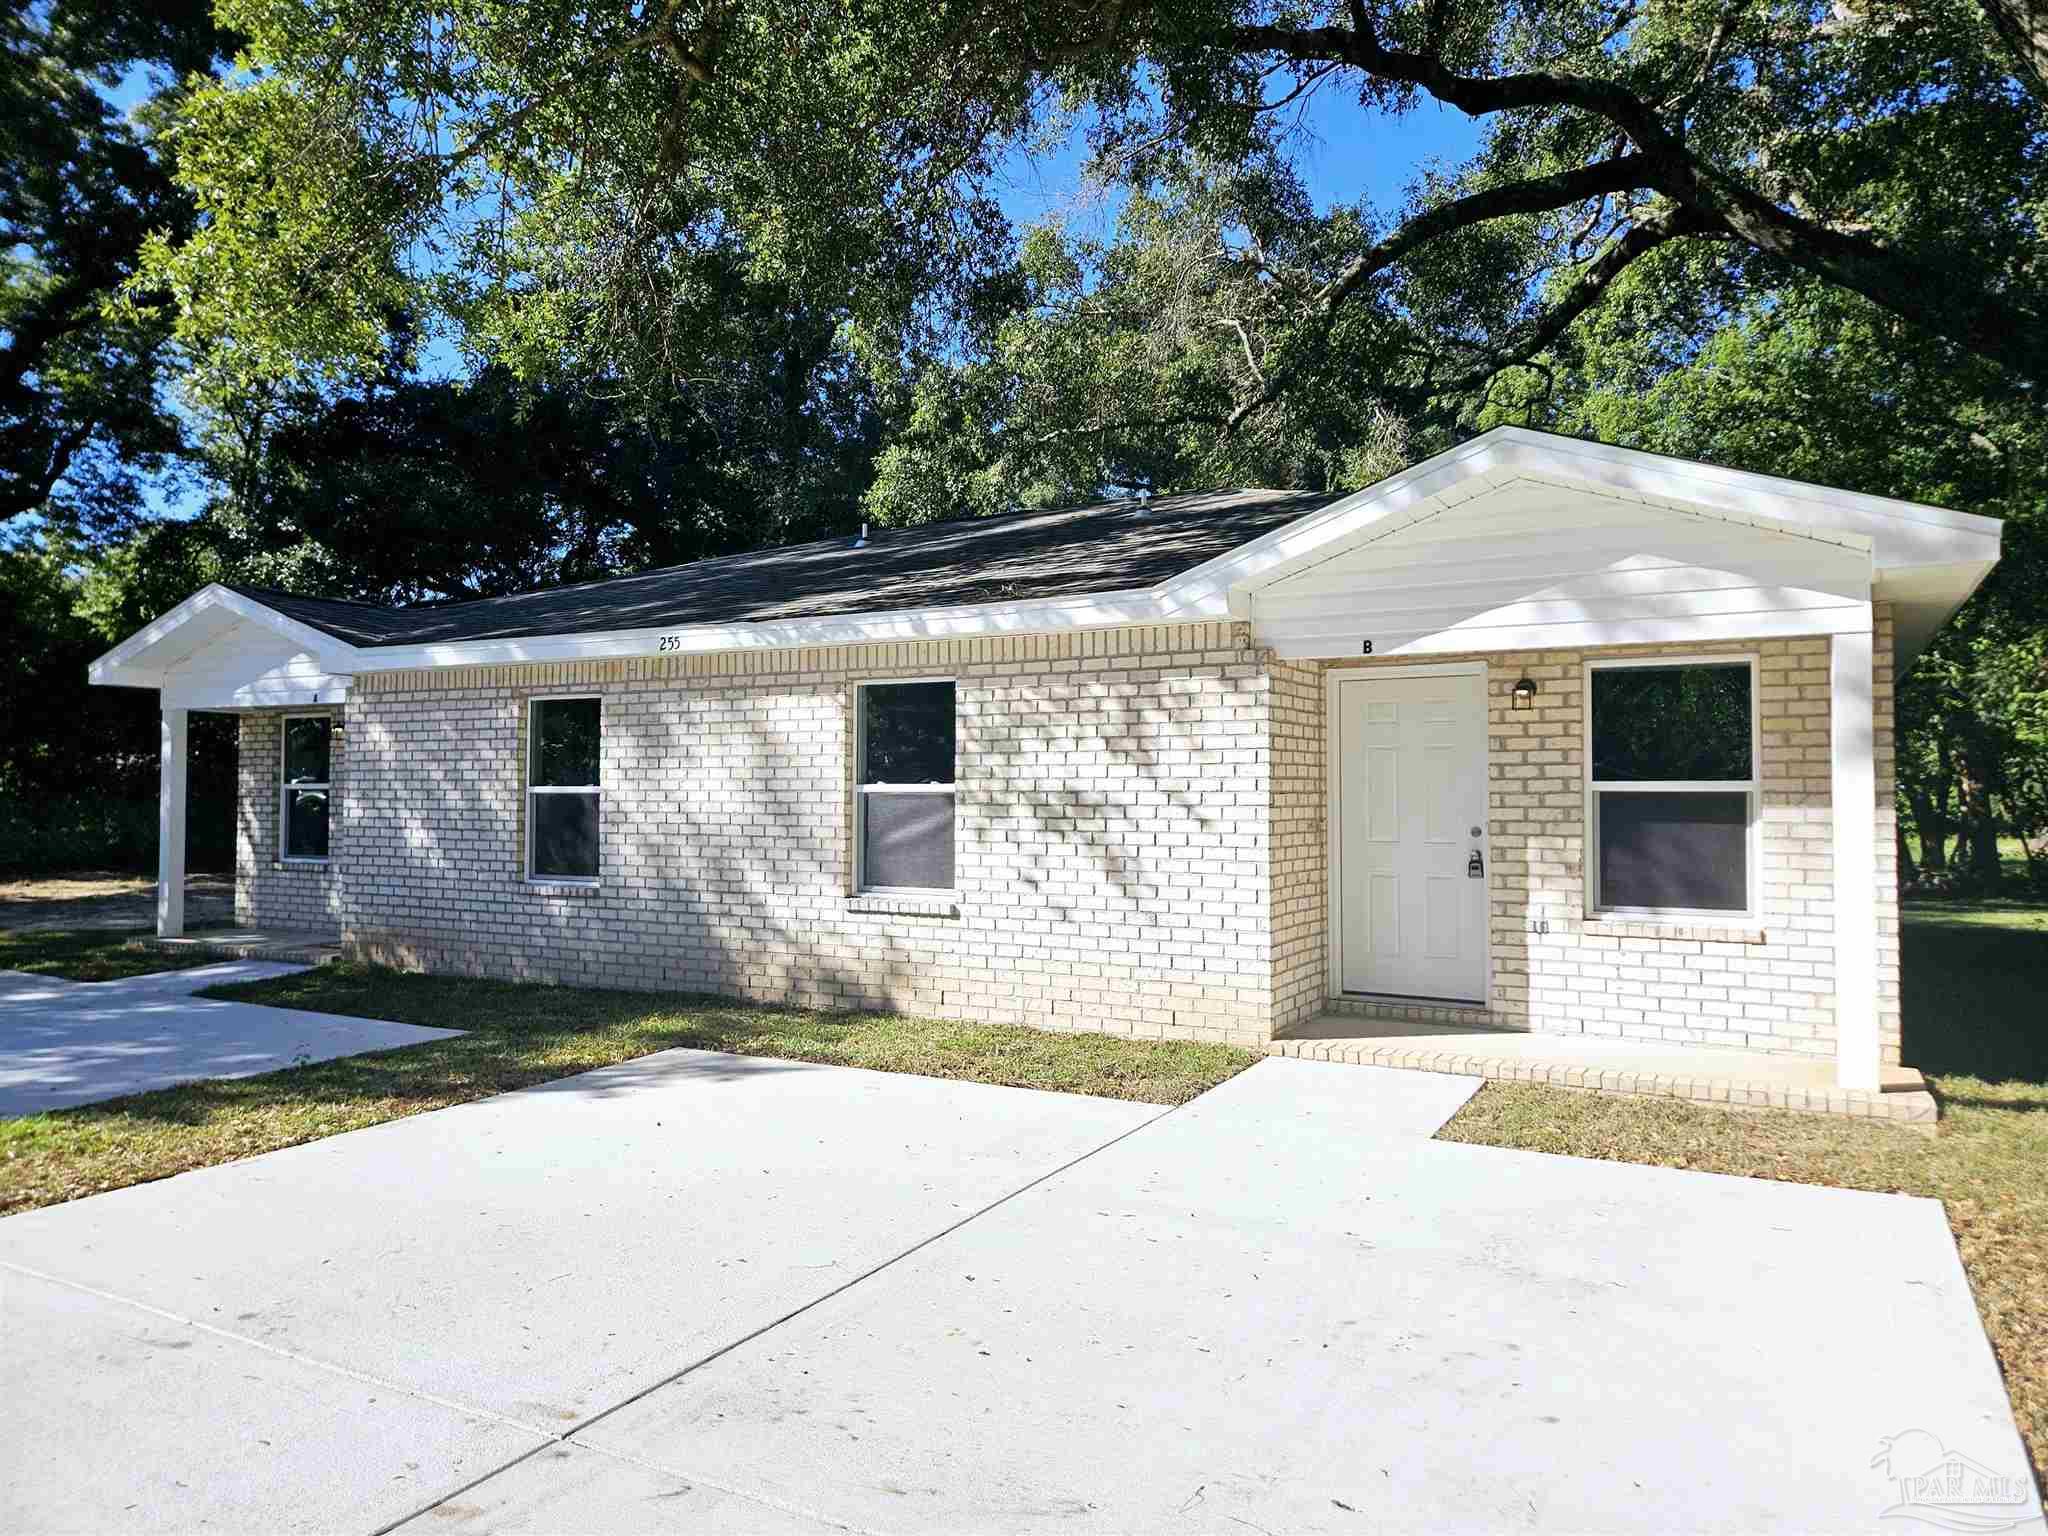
[1945,552]
[142,660]
[1052,615]
[1897,533]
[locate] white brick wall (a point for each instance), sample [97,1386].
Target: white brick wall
[269,892]
[1766,985]
[1113,820]
[1142,842]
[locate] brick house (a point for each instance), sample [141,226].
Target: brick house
[1540,733]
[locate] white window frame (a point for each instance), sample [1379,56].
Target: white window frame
[861,791]
[533,703]
[1752,787]
[285,787]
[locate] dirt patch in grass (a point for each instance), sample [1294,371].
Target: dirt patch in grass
[108,901]
[91,956]
[1976,1018]
[521,1035]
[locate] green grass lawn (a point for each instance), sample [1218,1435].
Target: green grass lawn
[1975,1011]
[524,1034]
[90,956]
[1975,1016]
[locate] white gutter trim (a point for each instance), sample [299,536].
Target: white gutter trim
[1218,589]
[1098,610]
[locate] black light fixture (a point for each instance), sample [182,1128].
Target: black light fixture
[1524,694]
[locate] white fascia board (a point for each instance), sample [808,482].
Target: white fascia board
[147,656]
[1423,490]
[1100,610]
[1901,532]
[1897,533]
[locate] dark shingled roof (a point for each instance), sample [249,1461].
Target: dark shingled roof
[1107,547]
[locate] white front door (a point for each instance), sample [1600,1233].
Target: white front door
[1411,844]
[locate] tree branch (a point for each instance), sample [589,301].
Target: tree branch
[1975,314]
[2022,25]
[1539,194]
[1670,223]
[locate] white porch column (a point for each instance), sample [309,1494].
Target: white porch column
[170,827]
[1851,745]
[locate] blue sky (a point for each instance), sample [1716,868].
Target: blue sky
[1342,151]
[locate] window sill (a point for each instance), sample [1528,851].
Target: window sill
[1697,930]
[542,887]
[302,864]
[906,904]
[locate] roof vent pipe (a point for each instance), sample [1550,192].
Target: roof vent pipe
[862,541]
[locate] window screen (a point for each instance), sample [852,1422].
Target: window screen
[563,795]
[308,755]
[907,800]
[1672,791]
[1687,851]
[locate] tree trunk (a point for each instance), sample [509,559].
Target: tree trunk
[1980,779]
[1932,826]
[2023,26]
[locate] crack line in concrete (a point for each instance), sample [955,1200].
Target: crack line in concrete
[465,1409]
[698,1364]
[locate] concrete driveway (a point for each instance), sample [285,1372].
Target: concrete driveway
[707,1293]
[74,1042]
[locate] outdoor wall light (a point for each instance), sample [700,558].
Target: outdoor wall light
[1524,694]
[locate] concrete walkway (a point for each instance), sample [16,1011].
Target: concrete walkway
[74,1042]
[706,1293]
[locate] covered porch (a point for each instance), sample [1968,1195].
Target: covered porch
[221,651]
[1605,747]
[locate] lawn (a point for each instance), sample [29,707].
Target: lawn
[523,1034]
[1976,978]
[1976,1020]
[90,955]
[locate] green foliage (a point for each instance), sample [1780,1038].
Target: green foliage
[1821,386]
[566,190]
[50,834]
[82,421]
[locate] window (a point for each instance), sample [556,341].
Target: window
[904,808]
[303,795]
[1672,786]
[562,791]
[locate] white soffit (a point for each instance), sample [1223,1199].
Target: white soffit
[221,650]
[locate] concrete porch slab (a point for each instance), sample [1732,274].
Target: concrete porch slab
[1646,1068]
[300,946]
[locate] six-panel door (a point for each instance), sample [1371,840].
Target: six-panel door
[1411,815]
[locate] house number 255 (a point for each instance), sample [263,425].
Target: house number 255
[668,643]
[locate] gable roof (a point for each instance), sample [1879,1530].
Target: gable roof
[1196,557]
[1107,546]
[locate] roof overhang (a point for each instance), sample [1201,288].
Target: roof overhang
[1924,560]
[221,649]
